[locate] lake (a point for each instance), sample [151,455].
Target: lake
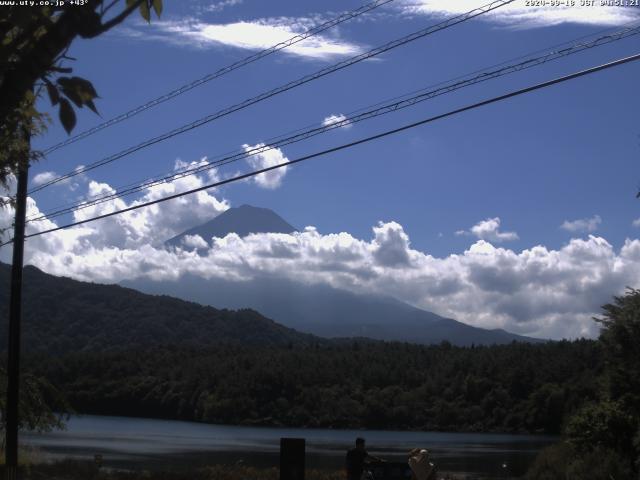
[158,444]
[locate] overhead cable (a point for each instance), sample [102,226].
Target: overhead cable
[283,88]
[219,73]
[345,146]
[378,110]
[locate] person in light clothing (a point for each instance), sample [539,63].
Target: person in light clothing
[420,465]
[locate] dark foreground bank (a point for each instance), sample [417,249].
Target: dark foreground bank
[79,470]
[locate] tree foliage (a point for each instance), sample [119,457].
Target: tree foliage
[349,385]
[42,406]
[34,46]
[620,337]
[602,425]
[562,461]
[602,439]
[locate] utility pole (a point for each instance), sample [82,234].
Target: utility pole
[15,315]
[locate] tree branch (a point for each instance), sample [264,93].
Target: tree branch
[115,20]
[108,7]
[42,54]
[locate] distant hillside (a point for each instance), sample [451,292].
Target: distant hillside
[242,220]
[64,315]
[328,312]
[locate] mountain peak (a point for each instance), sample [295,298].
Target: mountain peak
[242,220]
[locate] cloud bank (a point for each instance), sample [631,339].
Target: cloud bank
[536,291]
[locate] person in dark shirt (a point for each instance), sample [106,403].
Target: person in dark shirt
[356,458]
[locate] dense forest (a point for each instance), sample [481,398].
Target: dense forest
[517,387]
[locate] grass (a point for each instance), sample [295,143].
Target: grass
[85,470]
[77,470]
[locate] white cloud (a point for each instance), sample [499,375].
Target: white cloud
[489,229]
[72,183]
[264,158]
[337,118]
[518,14]
[582,225]
[194,241]
[391,245]
[636,223]
[222,5]
[151,225]
[252,35]
[43,177]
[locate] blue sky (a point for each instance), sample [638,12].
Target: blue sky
[539,170]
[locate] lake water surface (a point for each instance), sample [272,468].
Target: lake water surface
[151,444]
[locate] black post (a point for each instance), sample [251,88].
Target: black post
[15,313]
[292,453]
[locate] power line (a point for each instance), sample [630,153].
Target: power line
[348,145]
[378,110]
[222,71]
[283,88]
[483,76]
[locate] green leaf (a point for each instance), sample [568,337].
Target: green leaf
[130,3]
[144,11]
[78,90]
[157,6]
[67,115]
[91,105]
[74,96]
[84,87]
[54,95]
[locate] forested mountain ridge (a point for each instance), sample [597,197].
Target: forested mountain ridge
[63,315]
